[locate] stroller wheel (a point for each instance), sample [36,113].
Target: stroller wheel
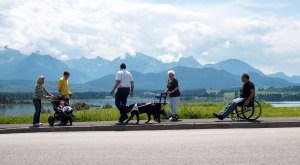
[64,122]
[51,120]
[71,120]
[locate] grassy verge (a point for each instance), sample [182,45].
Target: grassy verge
[186,111]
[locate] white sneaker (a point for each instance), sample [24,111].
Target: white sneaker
[36,125]
[173,118]
[40,124]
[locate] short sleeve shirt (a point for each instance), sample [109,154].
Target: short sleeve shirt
[245,91]
[125,77]
[171,86]
[63,87]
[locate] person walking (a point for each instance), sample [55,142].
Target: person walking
[63,87]
[39,93]
[125,86]
[174,94]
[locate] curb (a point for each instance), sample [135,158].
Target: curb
[177,126]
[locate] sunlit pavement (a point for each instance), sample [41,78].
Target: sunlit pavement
[208,146]
[274,122]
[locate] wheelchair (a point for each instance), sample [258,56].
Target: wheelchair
[249,112]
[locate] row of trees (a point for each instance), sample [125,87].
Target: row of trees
[279,97]
[12,98]
[291,93]
[282,89]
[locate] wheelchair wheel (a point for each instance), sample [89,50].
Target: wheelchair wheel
[71,120]
[51,121]
[253,112]
[236,115]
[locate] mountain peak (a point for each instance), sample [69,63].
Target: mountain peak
[234,66]
[293,79]
[7,50]
[188,62]
[189,58]
[279,75]
[8,55]
[237,61]
[42,56]
[34,54]
[137,56]
[83,58]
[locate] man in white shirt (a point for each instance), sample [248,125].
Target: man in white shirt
[125,86]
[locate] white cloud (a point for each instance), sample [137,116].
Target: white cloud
[70,29]
[168,58]
[251,3]
[125,48]
[64,56]
[227,44]
[172,44]
[284,39]
[205,53]
[194,26]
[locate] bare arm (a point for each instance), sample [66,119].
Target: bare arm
[118,82]
[131,88]
[250,98]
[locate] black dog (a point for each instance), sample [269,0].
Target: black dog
[154,109]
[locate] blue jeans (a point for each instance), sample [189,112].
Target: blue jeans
[38,107]
[231,106]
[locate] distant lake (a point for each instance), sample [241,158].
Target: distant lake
[25,109]
[285,103]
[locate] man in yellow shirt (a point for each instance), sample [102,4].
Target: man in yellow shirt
[63,87]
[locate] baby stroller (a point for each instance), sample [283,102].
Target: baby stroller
[64,115]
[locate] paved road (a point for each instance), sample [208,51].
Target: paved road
[166,122]
[218,146]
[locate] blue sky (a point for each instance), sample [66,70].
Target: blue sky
[264,33]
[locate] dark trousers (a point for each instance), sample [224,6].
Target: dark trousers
[38,107]
[67,100]
[121,101]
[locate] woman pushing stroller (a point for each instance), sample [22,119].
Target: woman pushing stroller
[39,93]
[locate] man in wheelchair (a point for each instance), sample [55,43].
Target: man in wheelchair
[246,98]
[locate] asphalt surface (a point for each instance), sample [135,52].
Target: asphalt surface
[273,122]
[209,146]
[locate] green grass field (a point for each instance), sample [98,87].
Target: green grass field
[230,95]
[186,111]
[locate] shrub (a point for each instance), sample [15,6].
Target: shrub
[107,106]
[80,106]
